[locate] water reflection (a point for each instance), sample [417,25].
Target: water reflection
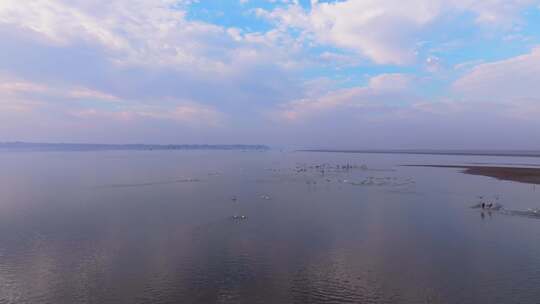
[64,240]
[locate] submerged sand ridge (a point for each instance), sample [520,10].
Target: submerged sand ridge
[516,174]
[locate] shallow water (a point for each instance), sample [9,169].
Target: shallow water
[158,227]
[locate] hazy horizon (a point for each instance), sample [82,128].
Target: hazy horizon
[259,146]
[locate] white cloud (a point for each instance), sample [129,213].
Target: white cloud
[17,95]
[386,31]
[19,88]
[381,91]
[507,81]
[144,61]
[139,32]
[158,32]
[144,56]
[506,89]
[390,82]
[498,12]
[85,93]
[187,113]
[58,21]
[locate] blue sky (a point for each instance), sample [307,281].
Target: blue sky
[349,73]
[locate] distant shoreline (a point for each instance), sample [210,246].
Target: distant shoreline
[26,146]
[515,174]
[434,152]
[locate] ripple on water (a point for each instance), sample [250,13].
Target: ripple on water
[331,280]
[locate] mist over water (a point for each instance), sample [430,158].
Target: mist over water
[163,227]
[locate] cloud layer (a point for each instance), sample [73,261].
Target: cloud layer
[386,31]
[159,71]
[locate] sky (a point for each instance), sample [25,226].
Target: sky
[447,74]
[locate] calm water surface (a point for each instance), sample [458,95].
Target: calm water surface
[157,227]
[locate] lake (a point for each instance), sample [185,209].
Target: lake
[262,227]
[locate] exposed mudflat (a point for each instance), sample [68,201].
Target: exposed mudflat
[516,174]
